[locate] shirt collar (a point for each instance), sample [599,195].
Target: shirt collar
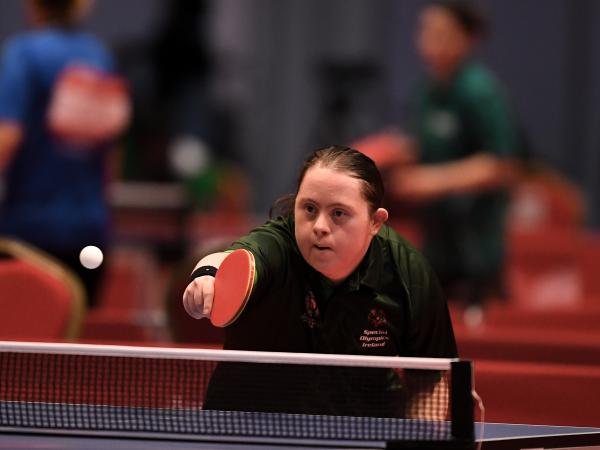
[443,87]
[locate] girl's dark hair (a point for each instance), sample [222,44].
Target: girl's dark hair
[343,159]
[468,15]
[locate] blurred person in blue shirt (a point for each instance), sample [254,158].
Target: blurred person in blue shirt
[54,188]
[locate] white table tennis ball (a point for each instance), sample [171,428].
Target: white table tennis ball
[91,257]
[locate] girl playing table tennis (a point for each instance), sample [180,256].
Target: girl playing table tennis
[330,276]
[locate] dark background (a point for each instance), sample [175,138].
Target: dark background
[283,74]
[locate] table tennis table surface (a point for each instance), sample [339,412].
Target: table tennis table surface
[495,436]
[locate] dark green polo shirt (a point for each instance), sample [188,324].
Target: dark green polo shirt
[390,305]
[453,120]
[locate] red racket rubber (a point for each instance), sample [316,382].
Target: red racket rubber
[233,287]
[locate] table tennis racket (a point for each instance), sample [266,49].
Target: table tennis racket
[233,287]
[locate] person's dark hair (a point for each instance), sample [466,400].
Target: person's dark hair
[468,14]
[57,11]
[343,159]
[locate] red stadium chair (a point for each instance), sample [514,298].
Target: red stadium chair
[124,310]
[529,344]
[39,298]
[539,393]
[543,268]
[588,260]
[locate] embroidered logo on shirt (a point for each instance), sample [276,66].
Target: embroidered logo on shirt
[377,336]
[312,314]
[377,318]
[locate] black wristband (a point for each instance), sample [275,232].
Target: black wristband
[203,270]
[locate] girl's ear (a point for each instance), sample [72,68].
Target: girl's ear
[379,218]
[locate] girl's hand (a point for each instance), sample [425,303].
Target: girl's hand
[198,297]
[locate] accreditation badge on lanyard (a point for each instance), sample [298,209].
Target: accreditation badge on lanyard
[88,106]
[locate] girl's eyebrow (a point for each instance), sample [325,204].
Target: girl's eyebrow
[329,205]
[306,199]
[340,205]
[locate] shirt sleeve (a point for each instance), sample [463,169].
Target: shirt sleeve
[430,332]
[270,245]
[15,83]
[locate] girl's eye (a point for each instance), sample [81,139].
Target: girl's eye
[310,209]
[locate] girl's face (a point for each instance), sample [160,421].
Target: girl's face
[334,226]
[441,41]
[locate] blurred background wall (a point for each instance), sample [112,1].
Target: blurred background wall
[283,76]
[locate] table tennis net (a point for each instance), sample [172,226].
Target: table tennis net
[212,392]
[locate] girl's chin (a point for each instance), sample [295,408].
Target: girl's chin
[328,273]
